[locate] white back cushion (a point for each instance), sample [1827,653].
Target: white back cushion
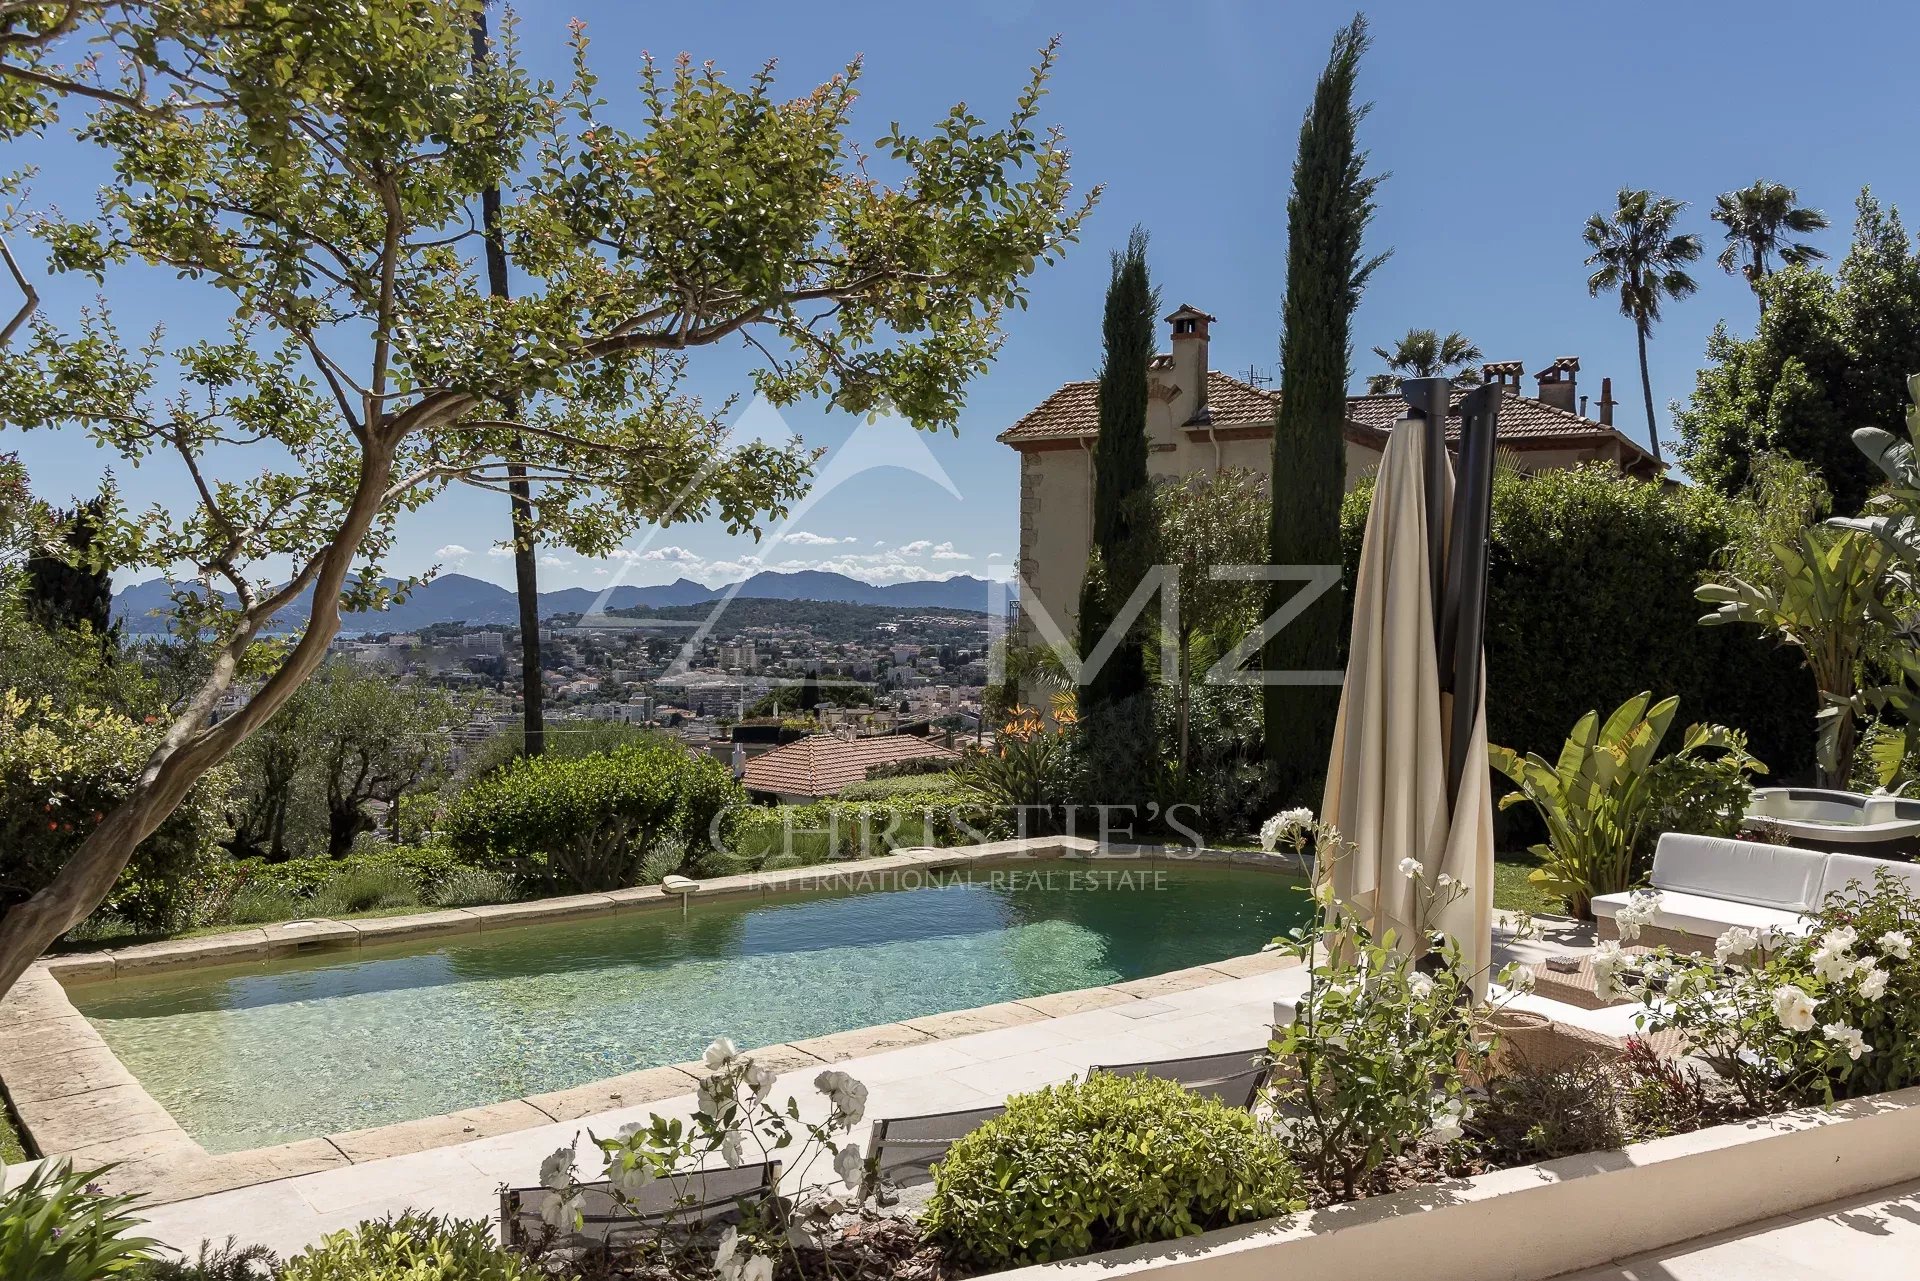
[1845,868]
[1744,871]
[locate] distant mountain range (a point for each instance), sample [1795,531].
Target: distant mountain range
[460,598]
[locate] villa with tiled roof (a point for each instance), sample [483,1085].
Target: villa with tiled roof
[1201,420]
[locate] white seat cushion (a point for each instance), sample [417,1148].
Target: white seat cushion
[1845,869]
[1704,915]
[1771,876]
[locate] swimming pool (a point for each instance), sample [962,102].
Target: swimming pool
[263,1053]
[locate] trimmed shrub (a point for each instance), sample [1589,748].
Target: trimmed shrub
[1590,600]
[589,822]
[938,783]
[1098,1164]
[61,770]
[412,1247]
[844,829]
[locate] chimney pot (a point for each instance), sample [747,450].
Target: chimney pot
[1557,382]
[1606,402]
[1188,372]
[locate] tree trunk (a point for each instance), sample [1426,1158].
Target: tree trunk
[1186,702]
[192,746]
[1646,389]
[344,822]
[526,584]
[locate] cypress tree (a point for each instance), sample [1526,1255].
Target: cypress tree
[74,590]
[1122,513]
[1327,214]
[1116,706]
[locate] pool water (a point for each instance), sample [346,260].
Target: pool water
[264,1053]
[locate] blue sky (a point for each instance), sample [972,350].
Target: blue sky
[1503,125]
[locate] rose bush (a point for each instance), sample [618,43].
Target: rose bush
[1793,1020]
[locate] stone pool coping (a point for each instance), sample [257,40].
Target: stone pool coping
[77,1101]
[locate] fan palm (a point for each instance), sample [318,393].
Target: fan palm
[1758,219]
[1636,253]
[1423,353]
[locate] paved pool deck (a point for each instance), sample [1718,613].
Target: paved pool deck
[932,1076]
[1875,1235]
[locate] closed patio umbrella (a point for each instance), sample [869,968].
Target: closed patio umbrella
[1408,773]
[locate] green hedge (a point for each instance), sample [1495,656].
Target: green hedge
[778,835]
[1096,1165]
[61,770]
[1590,600]
[596,822]
[914,786]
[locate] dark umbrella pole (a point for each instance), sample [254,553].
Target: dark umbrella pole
[1457,548]
[1464,614]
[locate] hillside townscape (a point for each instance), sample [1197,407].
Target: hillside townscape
[916,643]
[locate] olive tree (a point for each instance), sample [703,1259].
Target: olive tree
[309,171]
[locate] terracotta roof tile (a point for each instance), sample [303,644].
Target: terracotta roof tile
[821,765]
[1072,412]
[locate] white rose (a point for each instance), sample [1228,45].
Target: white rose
[730,1147]
[1793,1007]
[1873,983]
[729,1249]
[1410,868]
[1448,1120]
[1421,985]
[1896,944]
[850,1165]
[630,1174]
[560,1211]
[720,1055]
[760,1079]
[556,1172]
[1830,959]
[1607,963]
[1848,1039]
[1522,980]
[1737,941]
[848,1096]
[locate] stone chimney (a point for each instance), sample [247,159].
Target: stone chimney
[1607,402]
[1557,382]
[1185,371]
[1504,374]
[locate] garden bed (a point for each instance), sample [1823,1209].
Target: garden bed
[1536,1221]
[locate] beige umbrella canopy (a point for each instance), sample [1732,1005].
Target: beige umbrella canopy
[1387,780]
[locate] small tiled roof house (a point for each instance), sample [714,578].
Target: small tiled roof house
[821,765]
[1200,420]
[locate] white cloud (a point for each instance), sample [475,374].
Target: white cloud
[804,539]
[917,546]
[554,562]
[995,556]
[453,551]
[498,551]
[679,555]
[945,551]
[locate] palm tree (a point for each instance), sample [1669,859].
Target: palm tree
[1424,354]
[1636,252]
[1758,219]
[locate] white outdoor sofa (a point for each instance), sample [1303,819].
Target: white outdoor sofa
[1708,884]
